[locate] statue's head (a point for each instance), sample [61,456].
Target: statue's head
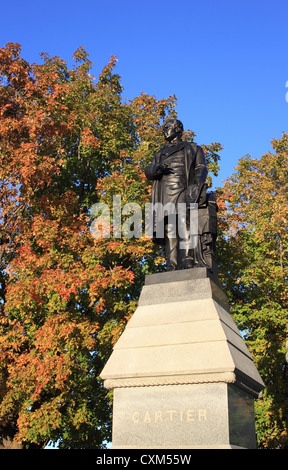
[172,129]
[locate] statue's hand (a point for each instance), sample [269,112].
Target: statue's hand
[192,193]
[161,168]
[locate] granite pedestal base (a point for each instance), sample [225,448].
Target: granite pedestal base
[212,415]
[181,373]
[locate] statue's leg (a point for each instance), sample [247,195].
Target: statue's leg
[185,255]
[171,247]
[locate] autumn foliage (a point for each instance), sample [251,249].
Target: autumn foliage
[68,141]
[253,256]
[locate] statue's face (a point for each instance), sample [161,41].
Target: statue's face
[170,130]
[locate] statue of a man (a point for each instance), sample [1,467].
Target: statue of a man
[179,171]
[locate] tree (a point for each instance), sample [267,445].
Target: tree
[67,142]
[253,254]
[53,286]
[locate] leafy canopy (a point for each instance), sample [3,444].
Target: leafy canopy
[253,254]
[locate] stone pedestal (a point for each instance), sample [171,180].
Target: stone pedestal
[181,372]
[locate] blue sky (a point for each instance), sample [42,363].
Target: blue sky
[226,61]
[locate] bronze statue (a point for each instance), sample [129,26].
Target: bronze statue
[179,172]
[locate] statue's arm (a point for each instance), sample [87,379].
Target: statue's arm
[197,176]
[200,172]
[155,169]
